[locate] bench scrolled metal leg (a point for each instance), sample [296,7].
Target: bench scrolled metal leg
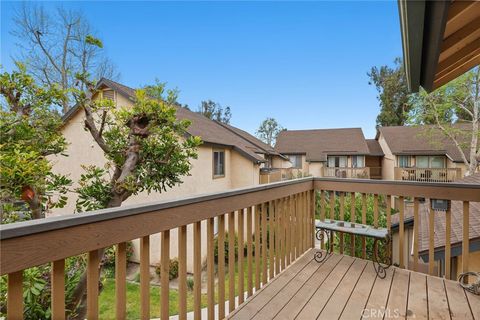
[321,235]
[382,262]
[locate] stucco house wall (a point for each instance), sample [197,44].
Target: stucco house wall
[388,160]
[83,150]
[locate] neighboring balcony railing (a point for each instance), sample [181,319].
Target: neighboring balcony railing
[274,221]
[428,174]
[346,172]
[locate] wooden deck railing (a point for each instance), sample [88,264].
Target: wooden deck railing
[285,209]
[282,212]
[428,174]
[346,172]
[348,190]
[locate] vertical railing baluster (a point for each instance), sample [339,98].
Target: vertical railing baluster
[15,295]
[241,253]
[448,232]
[342,218]
[120,281]
[389,212]
[278,250]
[271,239]
[314,211]
[352,220]
[288,228]
[364,221]
[182,272]
[58,289]
[375,210]
[164,275]
[264,245]
[145,277]
[465,237]
[197,270]
[401,229]
[431,249]
[210,269]
[257,248]
[92,284]
[231,261]
[416,233]
[332,204]
[221,266]
[249,253]
[296,228]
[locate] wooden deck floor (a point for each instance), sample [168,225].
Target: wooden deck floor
[343,287]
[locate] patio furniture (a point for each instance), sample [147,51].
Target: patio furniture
[325,230]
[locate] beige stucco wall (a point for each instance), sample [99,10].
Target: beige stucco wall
[388,160]
[316,169]
[82,150]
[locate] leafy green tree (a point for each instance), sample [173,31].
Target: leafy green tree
[146,147]
[268,131]
[369,205]
[454,111]
[30,132]
[215,111]
[393,95]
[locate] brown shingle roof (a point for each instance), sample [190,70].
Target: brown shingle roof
[374,148]
[209,131]
[319,143]
[423,140]
[457,220]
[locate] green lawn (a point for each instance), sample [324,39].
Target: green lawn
[107,297]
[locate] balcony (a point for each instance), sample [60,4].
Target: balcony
[281,279]
[269,175]
[346,172]
[428,174]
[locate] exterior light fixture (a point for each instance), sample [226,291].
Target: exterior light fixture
[440,205]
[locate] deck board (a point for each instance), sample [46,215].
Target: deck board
[398,297]
[359,296]
[339,298]
[343,287]
[417,297]
[295,305]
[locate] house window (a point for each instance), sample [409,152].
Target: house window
[404,161]
[358,161]
[296,160]
[337,161]
[218,163]
[430,162]
[437,162]
[422,162]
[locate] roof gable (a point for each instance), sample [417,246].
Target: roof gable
[421,140]
[208,130]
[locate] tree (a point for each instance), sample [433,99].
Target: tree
[30,132]
[146,147]
[58,45]
[269,130]
[215,111]
[454,110]
[393,95]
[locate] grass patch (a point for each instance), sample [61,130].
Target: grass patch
[107,301]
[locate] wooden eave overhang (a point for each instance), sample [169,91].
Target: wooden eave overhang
[441,40]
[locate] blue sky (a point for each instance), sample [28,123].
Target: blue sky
[303,63]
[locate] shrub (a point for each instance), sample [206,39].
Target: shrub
[173,269]
[109,258]
[190,283]
[37,289]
